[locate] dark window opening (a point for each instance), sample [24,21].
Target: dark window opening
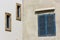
[8,21]
[18,11]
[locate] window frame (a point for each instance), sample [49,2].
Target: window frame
[46,11]
[7,14]
[18,18]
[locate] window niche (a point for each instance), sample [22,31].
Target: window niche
[7,21]
[18,11]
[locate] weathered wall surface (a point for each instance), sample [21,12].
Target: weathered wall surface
[16,31]
[30,30]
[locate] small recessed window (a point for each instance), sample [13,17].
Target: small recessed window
[18,11]
[8,22]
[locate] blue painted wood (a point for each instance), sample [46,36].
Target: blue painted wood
[50,24]
[46,25]
[41,25]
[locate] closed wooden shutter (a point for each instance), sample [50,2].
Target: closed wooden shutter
[51,24]
[46,25]
[41,25]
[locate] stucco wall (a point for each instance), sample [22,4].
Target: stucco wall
[16,27]
[30,30]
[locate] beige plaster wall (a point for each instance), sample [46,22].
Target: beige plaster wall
[30,19]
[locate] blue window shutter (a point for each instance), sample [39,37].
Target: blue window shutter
[51,24]
[41,25]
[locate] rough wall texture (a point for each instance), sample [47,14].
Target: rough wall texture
[30,30]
